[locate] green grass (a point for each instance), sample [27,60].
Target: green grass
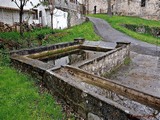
[84,30]
[117,21]
[16,36]
[127,61]
[20,98]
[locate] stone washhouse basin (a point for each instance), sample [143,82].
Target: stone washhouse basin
[74,72]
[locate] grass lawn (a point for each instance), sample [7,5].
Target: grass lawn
[117,21]
[84,30]
[19,96]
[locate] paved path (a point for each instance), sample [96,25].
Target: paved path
[143,71]
[108,33]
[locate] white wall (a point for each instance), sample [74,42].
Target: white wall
[11,16]
[59,19]
[9,3]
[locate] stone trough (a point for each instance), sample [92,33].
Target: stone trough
[73,70]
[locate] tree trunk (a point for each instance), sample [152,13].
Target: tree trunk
[20,20]
[109,11]
[52,20]
[69,19]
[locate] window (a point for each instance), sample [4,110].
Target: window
[143,3]
[35,15]
[40,13]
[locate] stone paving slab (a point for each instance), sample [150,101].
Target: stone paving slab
[102,44]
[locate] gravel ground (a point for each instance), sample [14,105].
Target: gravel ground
[142,73]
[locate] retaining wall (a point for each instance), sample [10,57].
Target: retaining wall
[88,104]
[32,66]
[108,62]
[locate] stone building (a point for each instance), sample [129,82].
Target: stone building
[91,5]
[149,9]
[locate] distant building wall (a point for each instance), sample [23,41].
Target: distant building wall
[12,16]
[148,9]
[101,6]
[76,18]
[59,19]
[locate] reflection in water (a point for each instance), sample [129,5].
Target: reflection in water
[69,58]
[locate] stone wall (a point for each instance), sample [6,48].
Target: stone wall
[133,8]
[108,62]
[101,6]
[154,31]
[127,8]
[35,67]
[89,105]
[43,48]
[76,18]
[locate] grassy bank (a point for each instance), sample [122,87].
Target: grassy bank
[117,22]
[48,36]
[20,98]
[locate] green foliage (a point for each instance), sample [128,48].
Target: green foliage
[20,100]
[30,36]
[4,58]
[127,61]
[84,30]
[10,36]
[40,36]
[43,31]
[117,22]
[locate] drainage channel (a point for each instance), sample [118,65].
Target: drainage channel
[147,106]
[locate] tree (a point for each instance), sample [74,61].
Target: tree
[51,6]
[109,11]
[20,4]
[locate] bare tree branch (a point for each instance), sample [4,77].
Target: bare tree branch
[25,2]
[15,1]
